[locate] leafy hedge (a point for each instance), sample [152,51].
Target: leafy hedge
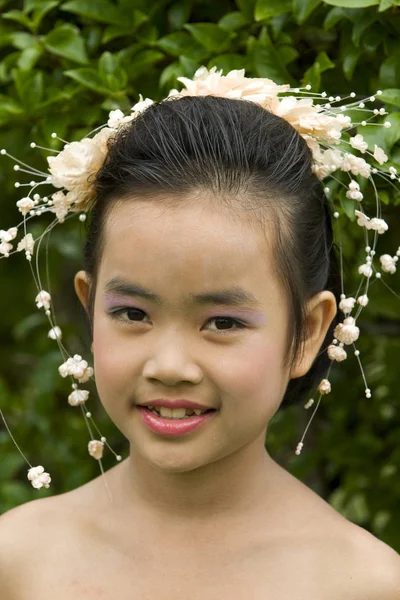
[63,66]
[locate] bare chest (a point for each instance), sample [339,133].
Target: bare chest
[270,573]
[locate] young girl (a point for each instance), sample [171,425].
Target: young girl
[210,284]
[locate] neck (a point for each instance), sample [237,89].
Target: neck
[232,486]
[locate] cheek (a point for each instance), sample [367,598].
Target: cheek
[110,360]
[255,373]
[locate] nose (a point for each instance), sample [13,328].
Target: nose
[170,362]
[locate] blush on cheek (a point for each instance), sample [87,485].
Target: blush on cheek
[255,375]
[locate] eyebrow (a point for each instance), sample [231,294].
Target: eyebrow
[235,296]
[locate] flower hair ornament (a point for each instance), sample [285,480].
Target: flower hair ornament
[323,124]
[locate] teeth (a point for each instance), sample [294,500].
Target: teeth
[175,413]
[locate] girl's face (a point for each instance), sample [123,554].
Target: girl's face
[224,355]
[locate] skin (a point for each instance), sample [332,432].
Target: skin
[179,351]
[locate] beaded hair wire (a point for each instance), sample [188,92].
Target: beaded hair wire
[71,170]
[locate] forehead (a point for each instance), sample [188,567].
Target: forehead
[185,248]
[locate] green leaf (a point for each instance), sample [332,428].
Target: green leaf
[111,72]
[391,96]
[302,9]
[22,40]
[392,134]
[385,4]
[143,62]
[247,8]
[233,21]
[268,62]
[227,62]
[265,9]
[29,86]
[88,78]
[19,17]
[29,57]
[65,41]
[352,3]
[179,13]
[115,31]
[334,16]
[41,11]
[170,74]
[210,36]
[9,108]
[350,60]
[313,75]
[98,10]
[362,23]
[288,54]
[389,73]
[180,42]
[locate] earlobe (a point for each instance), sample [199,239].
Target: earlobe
[82,288]
[321,309]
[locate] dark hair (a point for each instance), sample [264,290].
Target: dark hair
[237,153]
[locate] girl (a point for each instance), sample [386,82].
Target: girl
[211,285]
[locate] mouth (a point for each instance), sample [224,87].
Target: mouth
[175,414]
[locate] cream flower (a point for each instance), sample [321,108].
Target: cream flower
[365,270]
[388,263]
[73,166]
[378,225]
[25,205]
[232,85]
[116,118]
[346,305]
[379,155]
[43,300]
[356,165]
[324,387]
[5,248]
[359,143]
[38,477]
[27,243]
[363,300]
[55,333]
[10,234]
[96,448]
[307,118]
[362,219]
[78,397]
[61,205]
[354,191]
[141,105]
[76,367]
[337,353]
[347,332]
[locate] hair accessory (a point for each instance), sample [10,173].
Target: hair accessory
[325,128]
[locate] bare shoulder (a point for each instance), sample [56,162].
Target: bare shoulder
[27,535]
[369,567]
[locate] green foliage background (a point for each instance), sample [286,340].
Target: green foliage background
[63,66]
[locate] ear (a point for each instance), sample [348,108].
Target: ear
[82,288]
[321,310]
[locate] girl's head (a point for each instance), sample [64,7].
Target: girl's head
[200,195]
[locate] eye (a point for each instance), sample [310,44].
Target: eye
[229,320]
[133,313]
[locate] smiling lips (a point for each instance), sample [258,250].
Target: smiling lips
[179,403]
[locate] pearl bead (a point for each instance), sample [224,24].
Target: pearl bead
[103,439]
[88,414]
